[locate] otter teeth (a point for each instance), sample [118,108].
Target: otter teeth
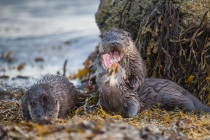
[112,61]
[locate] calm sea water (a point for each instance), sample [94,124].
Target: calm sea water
[53,30]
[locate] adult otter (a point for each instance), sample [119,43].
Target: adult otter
[114,94]
[51,97]
[169,95]
[120,46]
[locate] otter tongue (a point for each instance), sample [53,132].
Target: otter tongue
[116,55]
[107,60]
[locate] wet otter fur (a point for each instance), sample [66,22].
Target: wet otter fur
[48,99]
[169,95]
[119,45]
[114,94]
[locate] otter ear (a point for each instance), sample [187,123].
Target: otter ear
[101,36]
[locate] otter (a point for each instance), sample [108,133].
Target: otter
[48,99]
[119,45]
[168,95]
[114,94]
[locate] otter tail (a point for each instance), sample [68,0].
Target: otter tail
[206,108]
[201,107]
[198,105]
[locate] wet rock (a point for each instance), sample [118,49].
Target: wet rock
[39,59]
[4,77]
[20,66]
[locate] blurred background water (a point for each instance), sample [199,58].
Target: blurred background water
[37,36]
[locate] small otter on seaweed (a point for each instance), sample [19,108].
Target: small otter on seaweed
[114,94]
[50,98]
[119,45]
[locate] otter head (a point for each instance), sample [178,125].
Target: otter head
[44,108]
[115,42]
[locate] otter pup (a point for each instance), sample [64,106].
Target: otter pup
[51,97]
[119,45]
[114,94]
[169,95]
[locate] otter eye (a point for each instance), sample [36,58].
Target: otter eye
[101,36]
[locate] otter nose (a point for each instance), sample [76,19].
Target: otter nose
[115,43]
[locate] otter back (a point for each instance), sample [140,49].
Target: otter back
[169,95]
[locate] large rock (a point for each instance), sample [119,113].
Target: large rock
[173,37]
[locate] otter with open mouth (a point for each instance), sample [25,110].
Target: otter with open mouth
[114,93]
[151,91]
[119,45]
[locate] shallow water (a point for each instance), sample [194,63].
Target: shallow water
[40,35]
